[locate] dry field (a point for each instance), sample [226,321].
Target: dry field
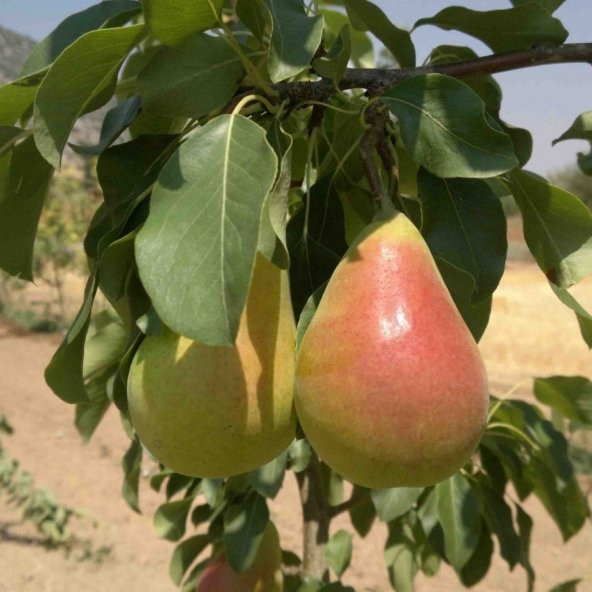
[530,334]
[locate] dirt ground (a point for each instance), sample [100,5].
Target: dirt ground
[530,333]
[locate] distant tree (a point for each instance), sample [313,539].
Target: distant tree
[575,181]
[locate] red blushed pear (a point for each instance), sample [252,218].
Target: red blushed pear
[390,387]
[265,575]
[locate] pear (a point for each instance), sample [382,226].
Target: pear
[208,411]
[390,387]
[264,575]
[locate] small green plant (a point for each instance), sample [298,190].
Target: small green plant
[41,508]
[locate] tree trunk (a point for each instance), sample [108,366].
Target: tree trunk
[316,520]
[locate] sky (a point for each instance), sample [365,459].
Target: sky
[544,99]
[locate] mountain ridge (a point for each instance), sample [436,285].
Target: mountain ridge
[14,49]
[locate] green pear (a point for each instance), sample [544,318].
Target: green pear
[390,387]
[265,575]
[208,411]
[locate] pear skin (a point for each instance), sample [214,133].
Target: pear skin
[390,388]
[265,575]
[212,412]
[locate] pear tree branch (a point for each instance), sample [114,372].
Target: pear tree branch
[377,80]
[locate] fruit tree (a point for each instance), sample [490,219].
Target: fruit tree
[300,251]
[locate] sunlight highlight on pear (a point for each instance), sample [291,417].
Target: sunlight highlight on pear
[218,411]
[390,387]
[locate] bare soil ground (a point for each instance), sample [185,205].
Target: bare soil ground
[530,334]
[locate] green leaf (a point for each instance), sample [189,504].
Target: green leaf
[333,587]
[255,15]
[484,85]
[82,79]
[73,27]
[569,586]
[570,395]
[498,517]
[521,140]
[170,519]
[334,64]
[550,446]
[549,5]
[307,313]
[126,170]
[397,41]
[461,286]
[400,558]
[566,505]
[114,268]
[463,223]
[331,486]
[177,483]
[17,97]
[196,262]
[185,554]
[583,316]
[362,50]
[244,526]
[343,133]
[585,161]
[25,178]
[173,20]
[458,514]
[557,228]
[268,479]
[213,490]
[116,121]
[104,348]
[478,564]
[503,30]
[339,551]
[294,40]
[102,352]
[525,525]
[9,136]
[444,128]
[580,129]
[392,503]
[299,454]
[132,464]
[316,252]
[64,372]
[88,415]
[358,209]
[362,515]
[192,79]
[274,216]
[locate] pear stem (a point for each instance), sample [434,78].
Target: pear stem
[376,117]
[316,521]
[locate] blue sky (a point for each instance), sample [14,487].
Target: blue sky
[545,100]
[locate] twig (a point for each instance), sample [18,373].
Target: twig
[358,496]
[376,117]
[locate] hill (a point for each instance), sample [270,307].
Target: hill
[14,49]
